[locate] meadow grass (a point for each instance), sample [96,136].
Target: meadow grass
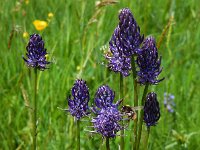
[74,40]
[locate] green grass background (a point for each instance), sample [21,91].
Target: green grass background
[74,39]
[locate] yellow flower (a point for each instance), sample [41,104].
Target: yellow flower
[78,68]
[27,2]
[50,15]
[40,25]
[25,35]
[47,56]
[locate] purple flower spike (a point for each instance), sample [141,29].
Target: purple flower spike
[108,117]
[36,53]
[107,122]
[130,38]
[151,110]
[149,63]
[78,106]
[124,43]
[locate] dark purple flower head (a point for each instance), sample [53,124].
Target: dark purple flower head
[124,43]
[108,117]
[36,53]
[78,106]
[151,110]
[107,123]
[104,98]
[126,37]
[149,63]
[130,38]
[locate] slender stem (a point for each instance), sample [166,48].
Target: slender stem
[35,112]
[121,97]
[141,116]
[147,138]
[78,134]
[135,99]
[107,144]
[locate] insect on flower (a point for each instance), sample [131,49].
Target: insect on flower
[130,112]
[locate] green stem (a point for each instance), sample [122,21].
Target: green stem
[78,134]
[107,144]
[141,116]
[121,97]
[135,99]
[35,112]
[147,138]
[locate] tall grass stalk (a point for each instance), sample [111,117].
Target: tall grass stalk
[147,138]
[35,111]
[78,134]
[135,100]
[141,116]
[121,88]
[107,144]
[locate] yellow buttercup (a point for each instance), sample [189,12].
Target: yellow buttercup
[40,25]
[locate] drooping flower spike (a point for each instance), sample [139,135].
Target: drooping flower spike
[124,43]
[36,53]
[151,110]
[149,63]
[78,105]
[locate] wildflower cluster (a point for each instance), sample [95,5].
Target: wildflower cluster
[108,117]
[127,46]
[127,43]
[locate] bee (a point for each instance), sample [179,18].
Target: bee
[130,112]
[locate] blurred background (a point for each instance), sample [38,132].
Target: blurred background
[76,35]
